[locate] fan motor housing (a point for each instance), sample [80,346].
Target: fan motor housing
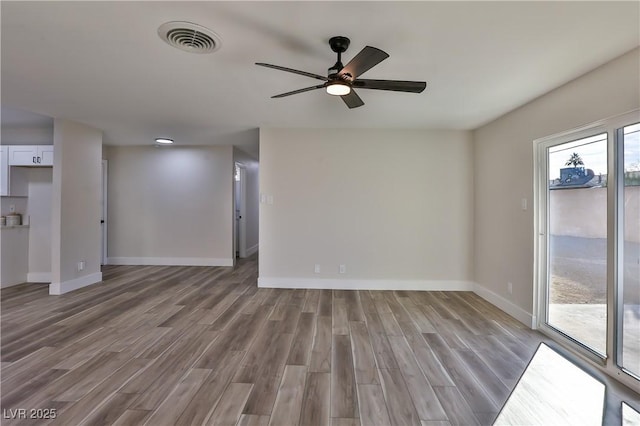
[339,44]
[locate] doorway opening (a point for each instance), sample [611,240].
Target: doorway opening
[239,208]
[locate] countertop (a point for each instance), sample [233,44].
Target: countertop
[14,227]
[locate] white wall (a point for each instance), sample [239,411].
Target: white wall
[14,263]
[14,244]
[394,206]
[252,196]
[27,135]
[170,205]
[39,211]
[76,206]
[504,171]
[582,212]
[20,204]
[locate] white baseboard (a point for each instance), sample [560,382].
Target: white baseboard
[252,250]
[10,284]
[534,322]
[56,289]
[39,277]
[337,284]
[170,261]
[506,305]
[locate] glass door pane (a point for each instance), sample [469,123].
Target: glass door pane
[577,240]
[629,277]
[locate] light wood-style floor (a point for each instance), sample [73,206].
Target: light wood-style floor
[203,345]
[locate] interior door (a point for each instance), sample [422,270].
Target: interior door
[236,211]
[103,220]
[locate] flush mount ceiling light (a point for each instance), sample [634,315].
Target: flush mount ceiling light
[189,37]
[164,141]
[338,89]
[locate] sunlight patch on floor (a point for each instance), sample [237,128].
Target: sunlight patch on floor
[554,391]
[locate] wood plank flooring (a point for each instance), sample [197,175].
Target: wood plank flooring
[204,345]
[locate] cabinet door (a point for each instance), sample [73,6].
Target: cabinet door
[45,155]
[23,155]
[4,170]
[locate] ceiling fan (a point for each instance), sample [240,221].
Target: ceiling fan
[343,79]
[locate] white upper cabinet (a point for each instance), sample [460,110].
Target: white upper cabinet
[30,155]
[45,153]
[23,155]
[4,170]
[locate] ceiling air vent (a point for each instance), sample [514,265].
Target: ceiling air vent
[189,37]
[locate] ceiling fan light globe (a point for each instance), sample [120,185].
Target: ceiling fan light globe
[338,89]
[164,141]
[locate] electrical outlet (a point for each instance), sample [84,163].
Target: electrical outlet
[316,269]
[343,269]
[523,204]
[510,288]
[12,208]
[81,265]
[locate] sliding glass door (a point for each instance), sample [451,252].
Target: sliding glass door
[588,246]
[577,240]
[629,249]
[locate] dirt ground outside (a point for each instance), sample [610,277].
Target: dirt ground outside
[579,271]
[578,294]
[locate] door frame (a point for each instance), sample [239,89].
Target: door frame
[608,364]
[541,215]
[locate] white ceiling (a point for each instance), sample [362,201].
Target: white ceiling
[102,63]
